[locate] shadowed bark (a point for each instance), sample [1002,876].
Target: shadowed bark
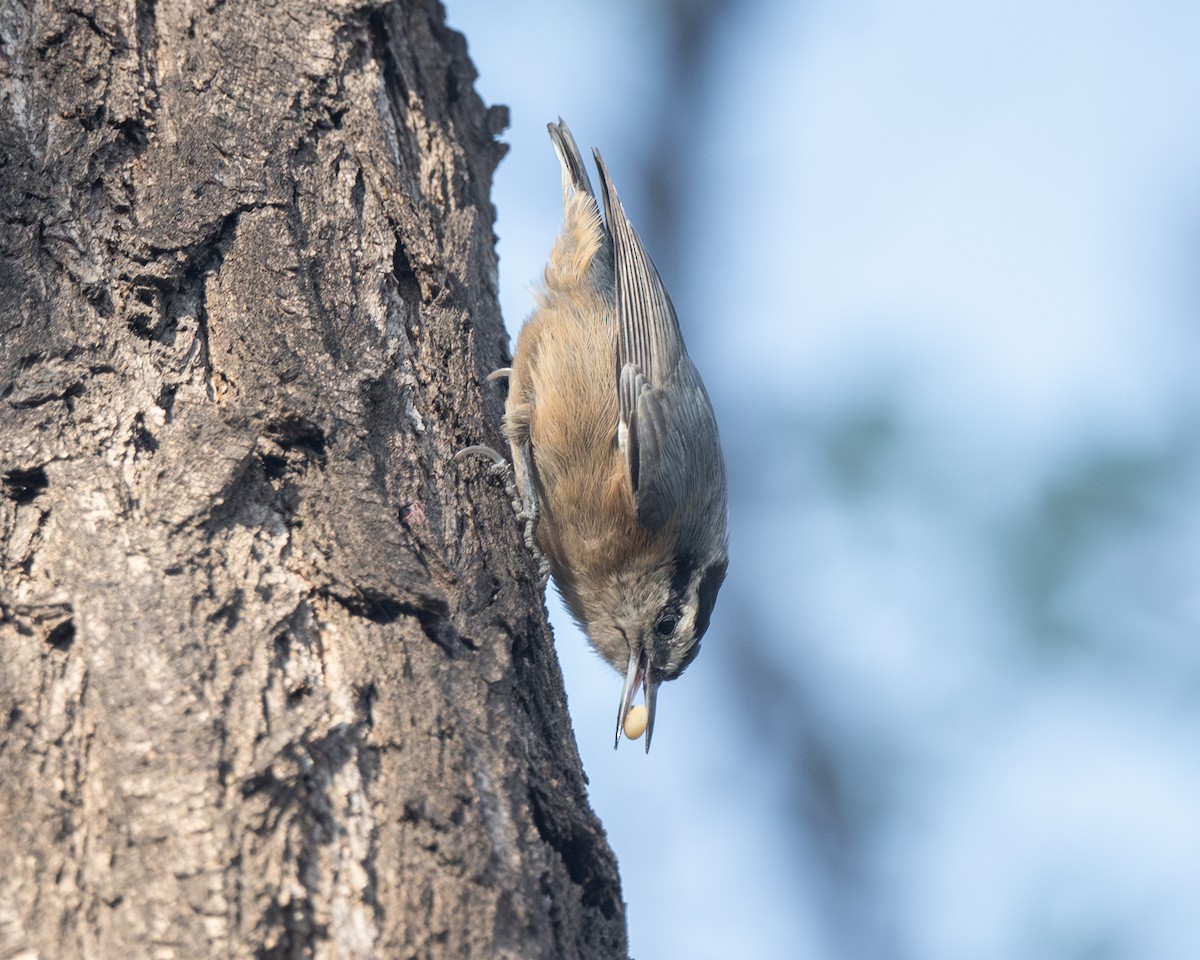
[275,676]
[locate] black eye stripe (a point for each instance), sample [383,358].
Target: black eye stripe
[681,578]
[711,582]
[682,574]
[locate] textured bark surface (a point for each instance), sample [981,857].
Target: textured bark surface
[275,677]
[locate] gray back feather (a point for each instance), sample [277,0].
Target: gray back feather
[672,448]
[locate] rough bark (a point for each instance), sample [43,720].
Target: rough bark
[275,676]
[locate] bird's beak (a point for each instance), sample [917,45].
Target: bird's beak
[632,678]
[651,688]
[637,675]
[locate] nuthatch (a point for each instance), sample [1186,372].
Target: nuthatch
[614,443]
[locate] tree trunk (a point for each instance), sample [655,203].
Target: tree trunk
[275,675]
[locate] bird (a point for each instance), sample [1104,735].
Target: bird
[616,456]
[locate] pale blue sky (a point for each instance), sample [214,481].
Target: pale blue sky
[938,266]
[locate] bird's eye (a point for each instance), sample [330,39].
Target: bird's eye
[665,626]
